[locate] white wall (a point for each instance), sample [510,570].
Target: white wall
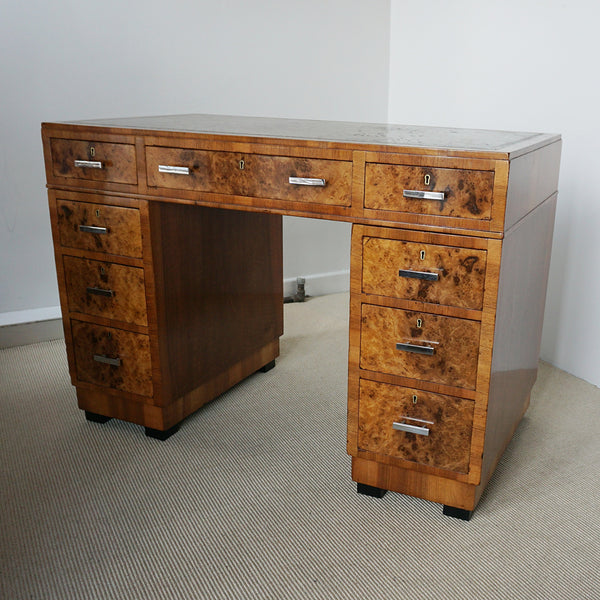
[65,60]
[522,65]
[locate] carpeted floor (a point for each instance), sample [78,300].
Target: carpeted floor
[253,498]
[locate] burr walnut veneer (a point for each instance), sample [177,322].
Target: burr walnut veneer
[167,236]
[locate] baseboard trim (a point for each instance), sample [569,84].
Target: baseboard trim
[25,327]
[320,284]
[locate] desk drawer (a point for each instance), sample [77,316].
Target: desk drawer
[100,228]
[318,181]
[431,273]
[420,345]
[106,289]
[112,358]
[414,425]
[95,161]
[429,191]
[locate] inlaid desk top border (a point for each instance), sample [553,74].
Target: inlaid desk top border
[378,137]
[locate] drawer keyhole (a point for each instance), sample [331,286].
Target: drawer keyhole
[419,323]
[242,165]
[427,179]
[422,255]
[97,212]
[415,399]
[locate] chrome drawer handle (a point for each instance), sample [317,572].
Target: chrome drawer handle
[419,430]
[88,164]
[102,358]
[92,229]
[418,195]
[418,275]
[307,181]
[100,292]
[415,349]
[173,170]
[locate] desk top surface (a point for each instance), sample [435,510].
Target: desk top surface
[506,144]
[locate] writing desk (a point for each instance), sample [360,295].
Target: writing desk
[167,237]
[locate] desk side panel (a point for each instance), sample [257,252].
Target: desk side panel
[219,292]
[519,318]
[533,177]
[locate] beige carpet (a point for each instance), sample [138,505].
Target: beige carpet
[253,498]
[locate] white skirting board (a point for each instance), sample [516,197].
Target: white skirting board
[319,284]
[23,327]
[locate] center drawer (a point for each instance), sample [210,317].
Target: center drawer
[297,179]
[420,345]
[112,358]
[106,289]
[431,273]
[414,425]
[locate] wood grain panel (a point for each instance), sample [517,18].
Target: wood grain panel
[251,175]
[519,318]
[134,374]
[460,272]
[436,488]
[448,421]
[220,297]
[86,279]
[118,160]
[123,230]
[455,342]
[468,194]
[533,179]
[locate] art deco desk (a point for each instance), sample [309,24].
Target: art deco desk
[167,236]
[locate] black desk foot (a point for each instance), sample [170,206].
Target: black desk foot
[157,434]
[369,490]
[458,513]
[96,418]
[267,367]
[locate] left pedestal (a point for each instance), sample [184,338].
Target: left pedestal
[165,306]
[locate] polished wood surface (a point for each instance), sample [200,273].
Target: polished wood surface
[122,233]
[533,179]
[218,310]
[131,350]
[117,160]
[459,273]
[522,281]
[106,289]
[494,172]
[249,175]
[448,422]
[454,343]
[195,264]
[444,489]
[467,194]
